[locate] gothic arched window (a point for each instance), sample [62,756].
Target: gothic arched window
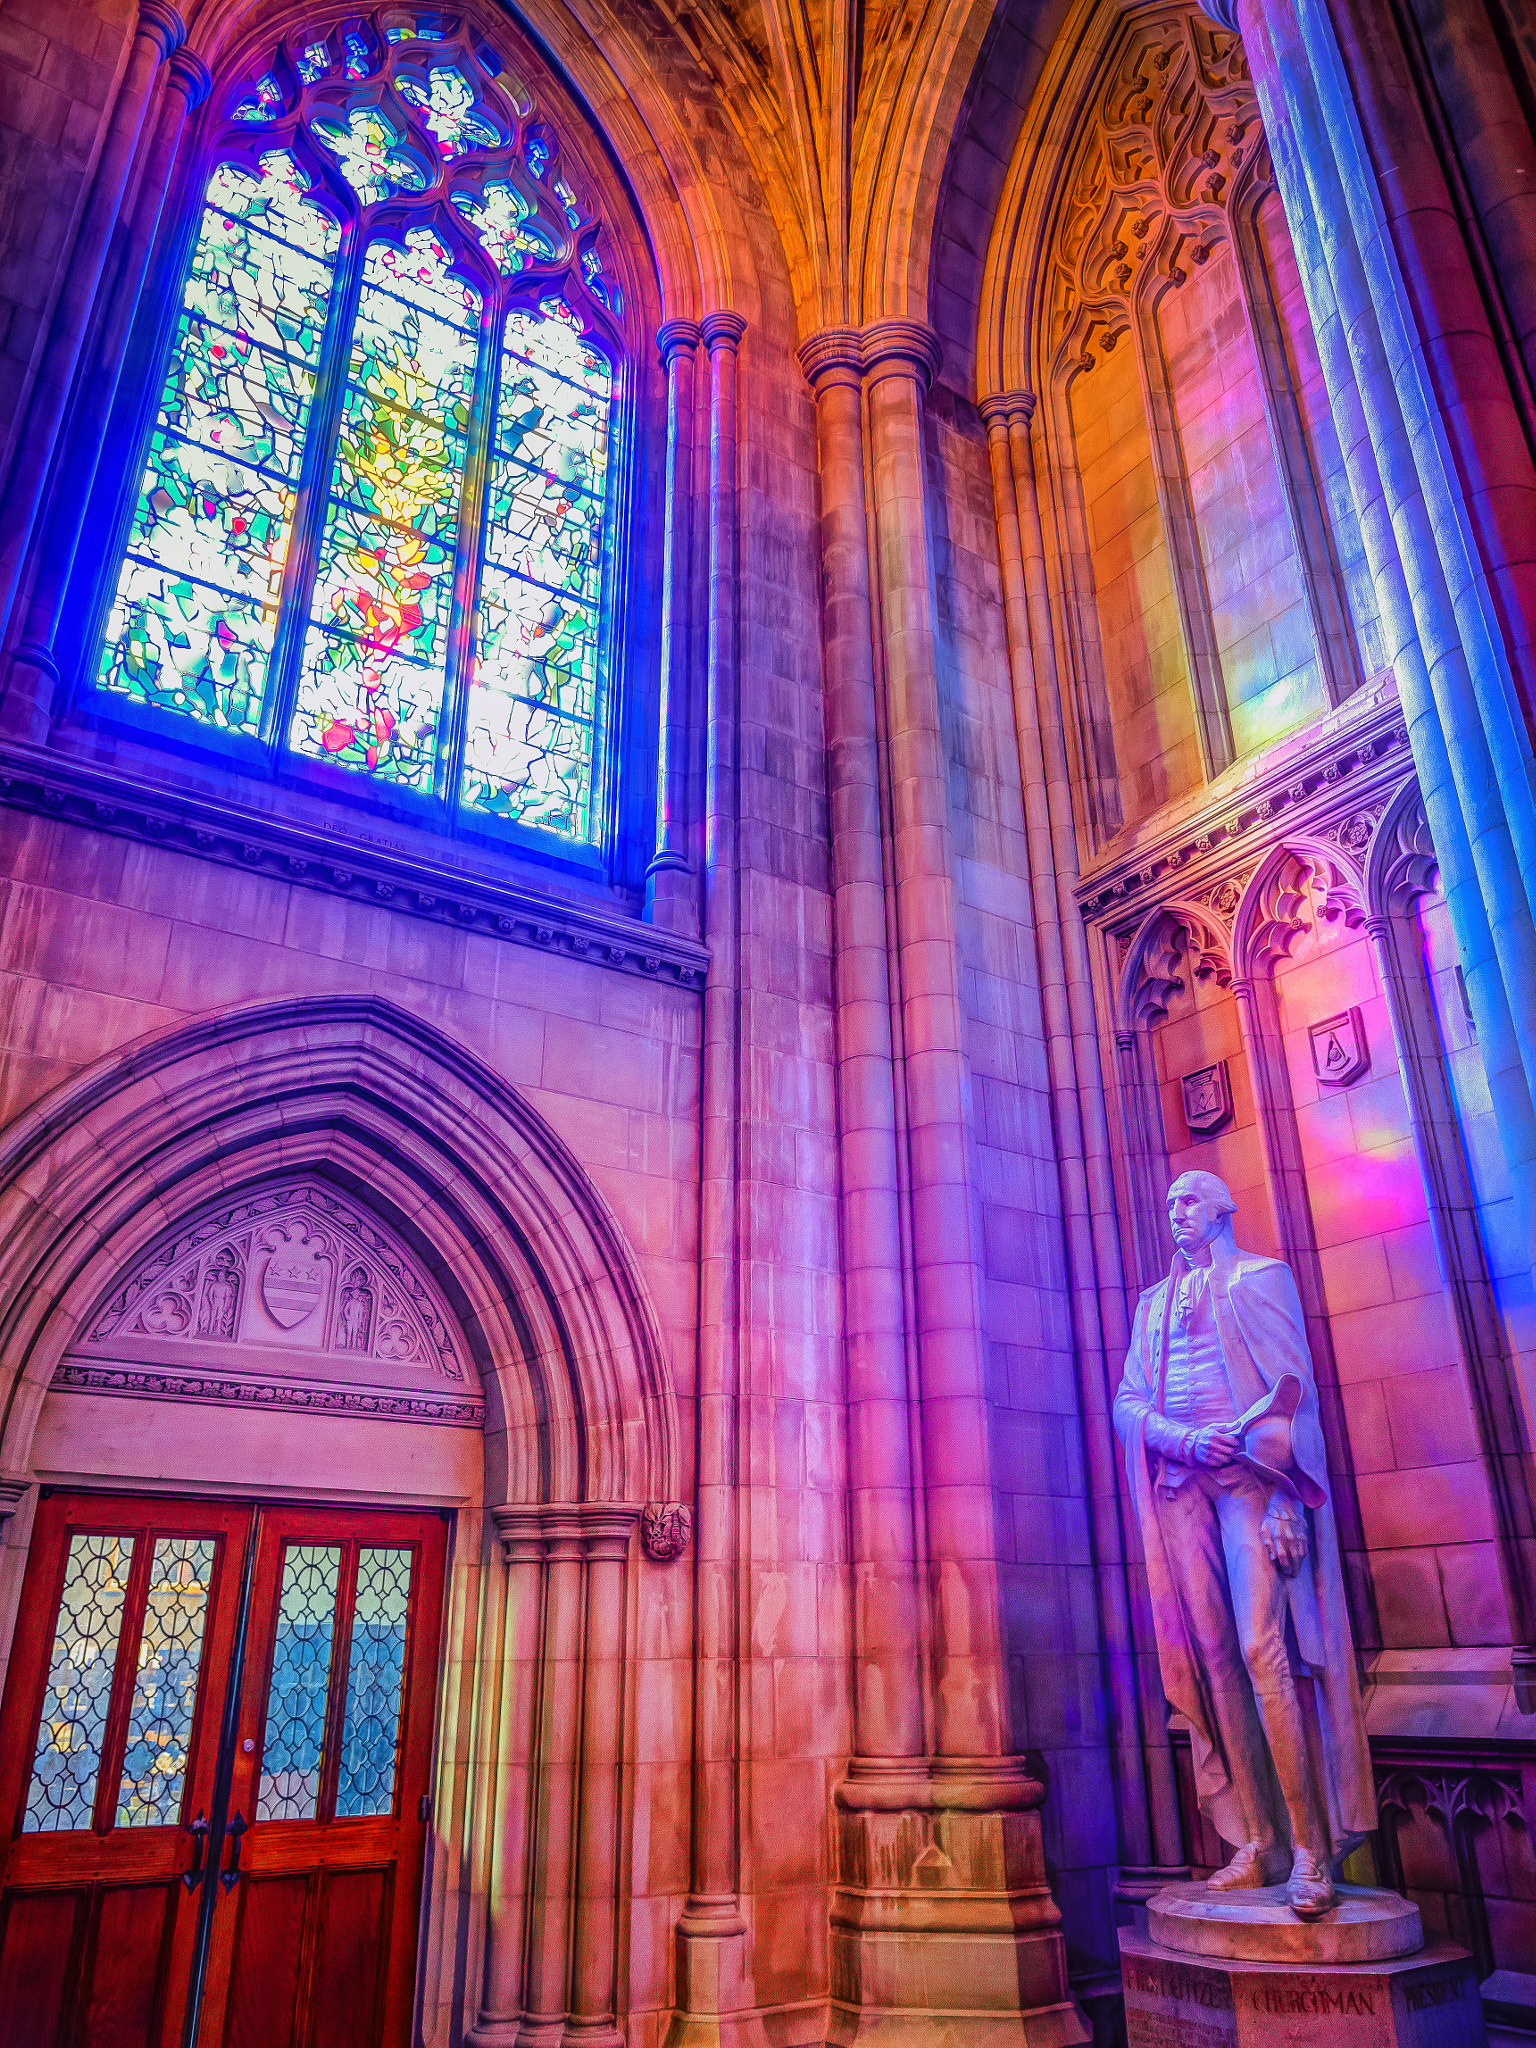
[368,529]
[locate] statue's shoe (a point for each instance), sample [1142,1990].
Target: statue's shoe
[1244,1873]
[1310,1893]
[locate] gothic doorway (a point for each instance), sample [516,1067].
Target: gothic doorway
[215,1752]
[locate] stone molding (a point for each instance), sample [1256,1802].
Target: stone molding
[722,330]
[901,348]
[938,1785]
[76,1376]
[159,19]
[834,355]
[568,1528]
[1298,792]
[12,1493]
[1004,407]
[673,336]
[52,785]
[190,76]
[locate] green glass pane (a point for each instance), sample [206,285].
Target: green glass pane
[370,1733]
[289,1787]
[165,1685]
[66,1760]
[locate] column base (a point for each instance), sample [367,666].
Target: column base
[943,1924]
[1428,2000]
[714,1987]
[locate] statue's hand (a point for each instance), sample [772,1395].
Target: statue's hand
[1216,1445]
[1284,1530]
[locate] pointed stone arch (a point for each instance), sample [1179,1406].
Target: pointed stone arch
[390,1111]
[1177,931]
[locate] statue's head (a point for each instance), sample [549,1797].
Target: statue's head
[1200,1209]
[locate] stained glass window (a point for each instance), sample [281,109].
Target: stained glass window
[67,1758]
[369,530]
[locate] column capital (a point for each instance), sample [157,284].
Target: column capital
[833,356]
[902,348]
[673,337]
[159,19]
[1004,407]
[722,330]
[189,76]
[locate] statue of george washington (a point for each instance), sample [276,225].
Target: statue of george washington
[1224,1448]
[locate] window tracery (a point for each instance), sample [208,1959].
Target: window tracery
[370,529]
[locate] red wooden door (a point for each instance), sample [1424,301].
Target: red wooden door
[109,1734]
[269,1670]
[314,1942]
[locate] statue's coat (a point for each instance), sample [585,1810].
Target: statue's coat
[1263,1334]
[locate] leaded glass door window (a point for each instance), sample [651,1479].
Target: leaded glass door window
[215,1753]
[370,530]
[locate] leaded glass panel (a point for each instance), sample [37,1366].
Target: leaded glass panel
[371,687]
[67,1759]
[289,1788]
[370,1734]
[192,625]
[533,703]
[165,1685]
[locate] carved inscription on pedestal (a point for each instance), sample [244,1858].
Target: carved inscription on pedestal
[1169,2006]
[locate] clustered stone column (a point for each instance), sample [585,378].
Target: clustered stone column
[1445,492]
[669,876]
[711,1935]
[158,31]
[1146,1800]
[549,1972]
[941,1904]
[187,83]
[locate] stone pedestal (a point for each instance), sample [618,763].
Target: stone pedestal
[943,1924]
[1177,2000]
[1366,1926]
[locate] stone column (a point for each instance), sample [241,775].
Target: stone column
[888,1660]
[1146,1794]
[711,1961]
[592,2022]
[545,1992]
[942,1916]
[1435,409]
[669,877]
[186,87]
[501,2001]
[159,30]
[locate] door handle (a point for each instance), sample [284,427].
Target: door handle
[229,1877]
[198,1829]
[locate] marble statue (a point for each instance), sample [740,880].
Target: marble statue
[1218,1412]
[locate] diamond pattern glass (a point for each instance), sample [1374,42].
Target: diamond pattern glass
[370,693]
[192,624]
[289,1786]
[67,1758]
[370,1734]
[533,703]
[165,1685]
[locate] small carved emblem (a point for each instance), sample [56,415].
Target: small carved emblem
[665,1527]
[1339,1051]
[1207,1100]
[291,1287]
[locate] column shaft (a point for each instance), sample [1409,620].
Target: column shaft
[669,878]
[545,1992]
[158,32]
[592,2023]
[888,1702]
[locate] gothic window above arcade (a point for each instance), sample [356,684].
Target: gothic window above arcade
[369,532]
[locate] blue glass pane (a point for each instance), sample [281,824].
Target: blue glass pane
[370,1736]
[301,1669]
[67,1756]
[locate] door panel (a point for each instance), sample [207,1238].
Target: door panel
[132,1741]
[331,1766]
[108,1740]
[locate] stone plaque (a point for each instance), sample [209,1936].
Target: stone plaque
[1339,1051]
[1428,2000]
[1207,1099]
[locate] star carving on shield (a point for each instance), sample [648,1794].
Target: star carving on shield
[293,1279]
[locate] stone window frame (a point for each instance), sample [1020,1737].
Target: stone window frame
[623,752]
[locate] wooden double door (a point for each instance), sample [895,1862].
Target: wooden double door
[215,1744]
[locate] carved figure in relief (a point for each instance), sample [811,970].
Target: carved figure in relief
[221,1296]
[356,1318]
[1219,1415]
